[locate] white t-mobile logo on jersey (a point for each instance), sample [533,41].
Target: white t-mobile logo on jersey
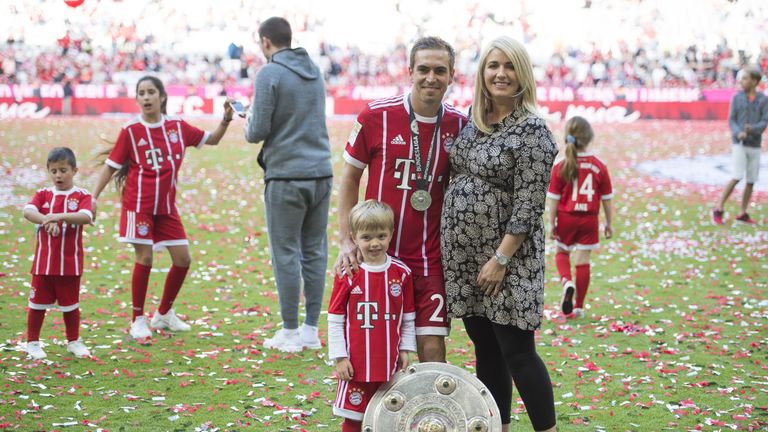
[153,158]
[408,173]
[369,312]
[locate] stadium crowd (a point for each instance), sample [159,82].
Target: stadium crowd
[592,43]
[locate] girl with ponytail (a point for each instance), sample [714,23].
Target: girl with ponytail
[144,164]
[580,182]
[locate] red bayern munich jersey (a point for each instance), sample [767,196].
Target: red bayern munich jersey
[154,152]
[373,306]
[61,255]
[584,195]
[381,140]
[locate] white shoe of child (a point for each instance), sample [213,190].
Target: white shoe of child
[284,340]
[78,348]
[309,337]
[566,303]
[35,350]
[140,329]
[169,321]
[578,313]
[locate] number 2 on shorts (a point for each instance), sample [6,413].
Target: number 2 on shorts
[441,302]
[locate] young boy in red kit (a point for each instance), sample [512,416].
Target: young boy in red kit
[60,211]
[371,316]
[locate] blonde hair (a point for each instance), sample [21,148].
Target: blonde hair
[371,215]
[517,54]
[578,135]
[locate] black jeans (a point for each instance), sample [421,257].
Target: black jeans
[505,353]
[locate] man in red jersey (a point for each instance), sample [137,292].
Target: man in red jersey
[403,141]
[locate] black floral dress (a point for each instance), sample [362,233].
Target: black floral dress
[498,187]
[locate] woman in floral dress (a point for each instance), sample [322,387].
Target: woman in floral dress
[492,234]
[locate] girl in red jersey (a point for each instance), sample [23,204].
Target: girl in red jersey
[579,184]
[145,162]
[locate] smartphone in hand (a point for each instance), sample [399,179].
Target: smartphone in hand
[238,108]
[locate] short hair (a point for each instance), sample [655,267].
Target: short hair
[753,73]
[521,61]
[62,154]
[371,215]
[432,43]
[277,30]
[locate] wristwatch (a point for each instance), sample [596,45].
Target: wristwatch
[502,259]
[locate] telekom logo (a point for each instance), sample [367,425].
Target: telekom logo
[369,312]
[154,158]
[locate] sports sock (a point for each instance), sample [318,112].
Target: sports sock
[72,324]
[139,284]
[582,284]
[35,320]
[351,426]
[563,264]
[173,283]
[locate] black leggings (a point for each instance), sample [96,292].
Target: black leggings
[505,353]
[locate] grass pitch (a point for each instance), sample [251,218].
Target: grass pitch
[674,339]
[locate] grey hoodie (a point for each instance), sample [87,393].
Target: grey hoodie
[288,114]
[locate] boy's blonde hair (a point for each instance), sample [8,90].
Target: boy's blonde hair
[371,215]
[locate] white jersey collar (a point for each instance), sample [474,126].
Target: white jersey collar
[419,118]
[377,268]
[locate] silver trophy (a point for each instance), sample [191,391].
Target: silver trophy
[432,397]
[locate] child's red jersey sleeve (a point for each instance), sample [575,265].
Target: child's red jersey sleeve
[193,137]
[556,183]
[339,295]
[606,189]
[121,151]
[86,203]
[409,305]
[38,200]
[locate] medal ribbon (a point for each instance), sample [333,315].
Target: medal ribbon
[422,171]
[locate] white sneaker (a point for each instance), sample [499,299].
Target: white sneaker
[578,313]
[169,321]
[309,337]
[140,329]
[284,340]
[566,304]
[78,349]
[35,351]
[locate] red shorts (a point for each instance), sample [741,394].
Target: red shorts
[156,230]
[429,300]
[48,290]
[574,231]
[352,398]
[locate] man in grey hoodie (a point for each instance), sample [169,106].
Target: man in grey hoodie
[288,115]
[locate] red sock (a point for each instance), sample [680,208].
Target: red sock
[351,426]
[173,283]
[563,264]
[139,284]
[72,324]
[35,320]
[582,284]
